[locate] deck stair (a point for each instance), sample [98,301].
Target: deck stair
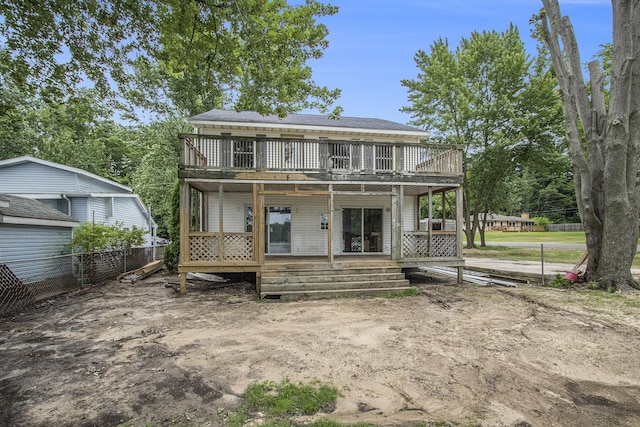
[325,280]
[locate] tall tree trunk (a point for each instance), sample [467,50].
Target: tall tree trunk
[606,175]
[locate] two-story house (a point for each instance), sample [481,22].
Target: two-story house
[313,204]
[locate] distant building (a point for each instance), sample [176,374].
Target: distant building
[84,196]
[496,222]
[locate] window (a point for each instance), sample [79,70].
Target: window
[324,221]
[108,205]
[248,219]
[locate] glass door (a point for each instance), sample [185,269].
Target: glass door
[361,230]
[278,230]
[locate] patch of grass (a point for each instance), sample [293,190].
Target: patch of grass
[561,256]
[287,398]
[534,236]
[280,401]
[411,292]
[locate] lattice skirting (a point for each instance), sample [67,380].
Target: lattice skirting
[207,248]
[417,245]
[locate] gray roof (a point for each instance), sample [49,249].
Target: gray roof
[21,207]
[303,120]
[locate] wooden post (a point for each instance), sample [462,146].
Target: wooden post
[429,222]
[258,223]
[255,229]
[330,224]
[396,224]
[185,256]
[459,220]
[444,212]
[220,222]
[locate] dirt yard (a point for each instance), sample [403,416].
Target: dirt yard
[142,355]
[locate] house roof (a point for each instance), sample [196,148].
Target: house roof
[26,159]
[495,217]
[305,122]
[20,210]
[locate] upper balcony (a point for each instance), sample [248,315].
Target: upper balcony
[322,156]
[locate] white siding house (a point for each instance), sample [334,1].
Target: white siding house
[275,195]
[82,195]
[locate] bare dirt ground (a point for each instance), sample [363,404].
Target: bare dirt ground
[141,354]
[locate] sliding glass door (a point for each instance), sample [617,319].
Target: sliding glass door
[361,230]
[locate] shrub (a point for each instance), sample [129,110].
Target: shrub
[95,237]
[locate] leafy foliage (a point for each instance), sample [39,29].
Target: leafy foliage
[172,250]
[198,55]
[90,237]
[490,97]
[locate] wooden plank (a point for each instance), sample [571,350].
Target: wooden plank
[184,221]
[142,272]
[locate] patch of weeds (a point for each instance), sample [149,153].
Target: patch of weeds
[560,283]
[279,401]
[411,292]
[287,398]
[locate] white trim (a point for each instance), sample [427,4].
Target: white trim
[37,221]
[311,128]
[25,159]
[257,181]
[60,195]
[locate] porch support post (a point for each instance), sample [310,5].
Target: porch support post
[396,223]
[330,224]
[459,219]
[429,222]
[220,223]
[258,223]
[444,211]
[185,256]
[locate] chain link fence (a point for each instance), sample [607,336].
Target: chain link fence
[24,282]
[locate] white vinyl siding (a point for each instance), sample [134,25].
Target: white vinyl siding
[233,215]
[409,214]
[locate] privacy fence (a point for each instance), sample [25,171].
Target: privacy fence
[25,282]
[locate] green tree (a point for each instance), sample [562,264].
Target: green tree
[158,169]
[603,138]
[164,54]
[490,97]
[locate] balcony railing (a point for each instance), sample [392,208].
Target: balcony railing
[238,153]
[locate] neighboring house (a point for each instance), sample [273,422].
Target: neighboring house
[33,239]
[309,193]
[84,196]
[507,223]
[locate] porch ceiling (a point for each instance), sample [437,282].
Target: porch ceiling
[241,187]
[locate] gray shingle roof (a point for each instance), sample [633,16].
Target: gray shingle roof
[28,208]
[303,120]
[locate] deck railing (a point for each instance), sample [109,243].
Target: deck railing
[239,153]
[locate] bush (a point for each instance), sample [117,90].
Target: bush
[90,237]
[541,221]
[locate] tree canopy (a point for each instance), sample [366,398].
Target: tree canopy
[489,96]
[168,54]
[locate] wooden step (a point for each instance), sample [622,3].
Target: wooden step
[276,288]
[294,295]
[349,276]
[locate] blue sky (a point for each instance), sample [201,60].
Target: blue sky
[373,42]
